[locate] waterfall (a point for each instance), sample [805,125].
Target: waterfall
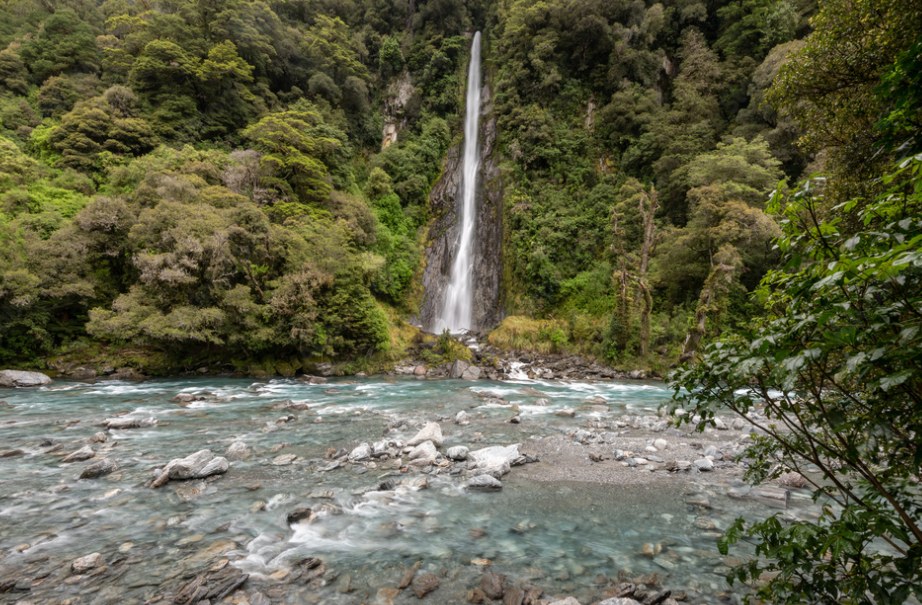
[457,306]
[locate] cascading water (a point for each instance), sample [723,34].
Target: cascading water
[457,306]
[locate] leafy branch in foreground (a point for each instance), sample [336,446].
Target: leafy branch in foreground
[836,368]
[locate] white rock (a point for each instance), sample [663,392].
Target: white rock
[85,564]
[238,450]
[704,464]
[719,424]
[462,417]
[424,453]
[360,453]
[661,444]
[567,601]
[679,412]
[650,448]
[84,453]
[18,378]
[431,432]
[199,465]
[495,460]
[458,452]
[485,482]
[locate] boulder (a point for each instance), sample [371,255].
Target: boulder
[704,464]
[238,450]
[128,423]
[458,368]
[199,465]
[360,453]
[484,482]
[431,432]
[495,460]
[87,563]
[424,453]
[471,373]
[99,469]
[18,378]
[84,453]
[424,584]
[492,585]
[458,452]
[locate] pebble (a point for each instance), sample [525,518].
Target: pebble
[284,459]
[704,464]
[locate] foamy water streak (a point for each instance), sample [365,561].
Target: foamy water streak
[457,309]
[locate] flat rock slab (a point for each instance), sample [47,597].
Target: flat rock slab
[19,378]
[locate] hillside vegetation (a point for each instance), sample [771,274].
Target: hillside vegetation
[192,182]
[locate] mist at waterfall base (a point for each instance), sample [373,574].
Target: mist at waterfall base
[559,535]
[457,307]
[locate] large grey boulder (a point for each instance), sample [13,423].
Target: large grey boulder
[199,465]
[495,460]
[431,432]
[422,454]
[18,378]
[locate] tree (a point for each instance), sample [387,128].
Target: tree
[64,44]
[835,367]
[634,228]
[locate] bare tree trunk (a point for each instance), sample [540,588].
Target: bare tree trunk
[648,207]
[645,317]
[715,288]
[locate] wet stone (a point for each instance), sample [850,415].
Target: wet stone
[99,469]
[424,584]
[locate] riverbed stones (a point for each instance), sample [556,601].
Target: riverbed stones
[19,378]
[199,465]
[793,479]
[98,469]
[462,418]
[88,563]
[566,601]
[432,431]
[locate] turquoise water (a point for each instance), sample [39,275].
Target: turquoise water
[560,536]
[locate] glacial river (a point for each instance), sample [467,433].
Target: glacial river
[370,522]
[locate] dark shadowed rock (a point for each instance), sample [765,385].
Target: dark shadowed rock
[492,585]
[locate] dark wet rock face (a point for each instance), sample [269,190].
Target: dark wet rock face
[445,201]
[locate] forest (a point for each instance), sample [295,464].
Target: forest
[194,182]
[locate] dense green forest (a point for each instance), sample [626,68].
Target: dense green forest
[189,182]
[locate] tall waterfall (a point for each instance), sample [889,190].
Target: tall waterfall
[457,308]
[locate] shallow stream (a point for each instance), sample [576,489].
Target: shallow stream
[566,537]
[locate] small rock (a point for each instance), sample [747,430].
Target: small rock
[515,420]
[704,464]
[99,469]
[484,482]
[422,454]
[793,479]
[99,437]
[84,453]
[299,514]
[424,584]
[567,601]
[565,413]
[458,452]
[11,453]
[408,575]
[238,450]
[362,452]
[719,424]
[284,459]
[199,465]
[85,564]
[462,418]
[492,585]
[431,432]
[128,423]
[660,444]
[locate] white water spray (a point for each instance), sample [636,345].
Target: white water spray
[457,307]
